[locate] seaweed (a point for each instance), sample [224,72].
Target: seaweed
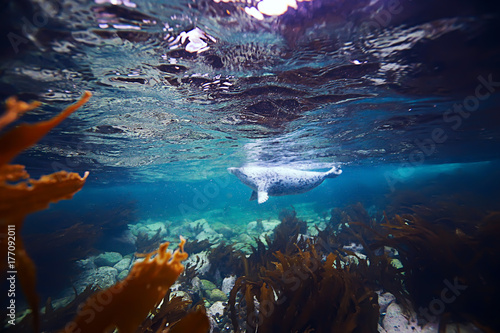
[448,273]
[144,244]
[21,195]
[225,260]
[125,304]
[303,293]
[190,272]
[351,221]
[285,239]
[197,246]
[52,319]
[170,311]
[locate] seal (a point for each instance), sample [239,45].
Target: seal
[278,181]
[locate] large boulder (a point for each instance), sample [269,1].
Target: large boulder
[107,259]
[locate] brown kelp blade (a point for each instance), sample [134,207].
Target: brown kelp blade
[26,135]
[20,195]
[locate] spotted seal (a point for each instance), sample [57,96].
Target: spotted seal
[277,181]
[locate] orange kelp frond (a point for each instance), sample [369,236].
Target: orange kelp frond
[14,109]
[26,135]
[12,173]
[20,199]
[126,304]
[194,322]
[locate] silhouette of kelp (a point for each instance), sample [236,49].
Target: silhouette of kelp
[51,320]
[145,244]
[169,312]
[197,246]
[285,239]
[225,260]
[303,293]
[444,263]
[349,223]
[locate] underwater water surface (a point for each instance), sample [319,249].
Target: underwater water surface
[402,95]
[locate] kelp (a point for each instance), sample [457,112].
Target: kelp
[226,260]
[21,195]
[448,273]
[197,246]
[353,217]
[285,239]
[303,293]
[26,135]
[169,312]
[52,319]
[126,304]
[145,244]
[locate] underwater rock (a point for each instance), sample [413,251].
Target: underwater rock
[252,226]
[395,321]
[215,313]
[396,263]
[122,264]
[207,285]
[384,300]
[208,234]
[179,293]
[123,274]
[217,295]
[243,240]
[199,225]
[141,230]
[262,225]
[196,285]
[105,276]
[217,309]
[201,261]
[153,228]
[107,259]
[270,225]
[228,284]
[226,232]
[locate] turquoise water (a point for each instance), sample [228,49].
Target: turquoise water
[402,95]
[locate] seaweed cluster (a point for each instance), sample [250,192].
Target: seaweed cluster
[446,272]
[300,283]
[145,244]
[305,293]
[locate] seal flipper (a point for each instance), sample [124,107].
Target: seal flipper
[253,196]
[262,196]
[334,172]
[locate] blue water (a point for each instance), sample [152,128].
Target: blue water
[408,102]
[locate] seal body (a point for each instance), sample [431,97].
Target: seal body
[278,181]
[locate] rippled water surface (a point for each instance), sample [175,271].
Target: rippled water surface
[183,89]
